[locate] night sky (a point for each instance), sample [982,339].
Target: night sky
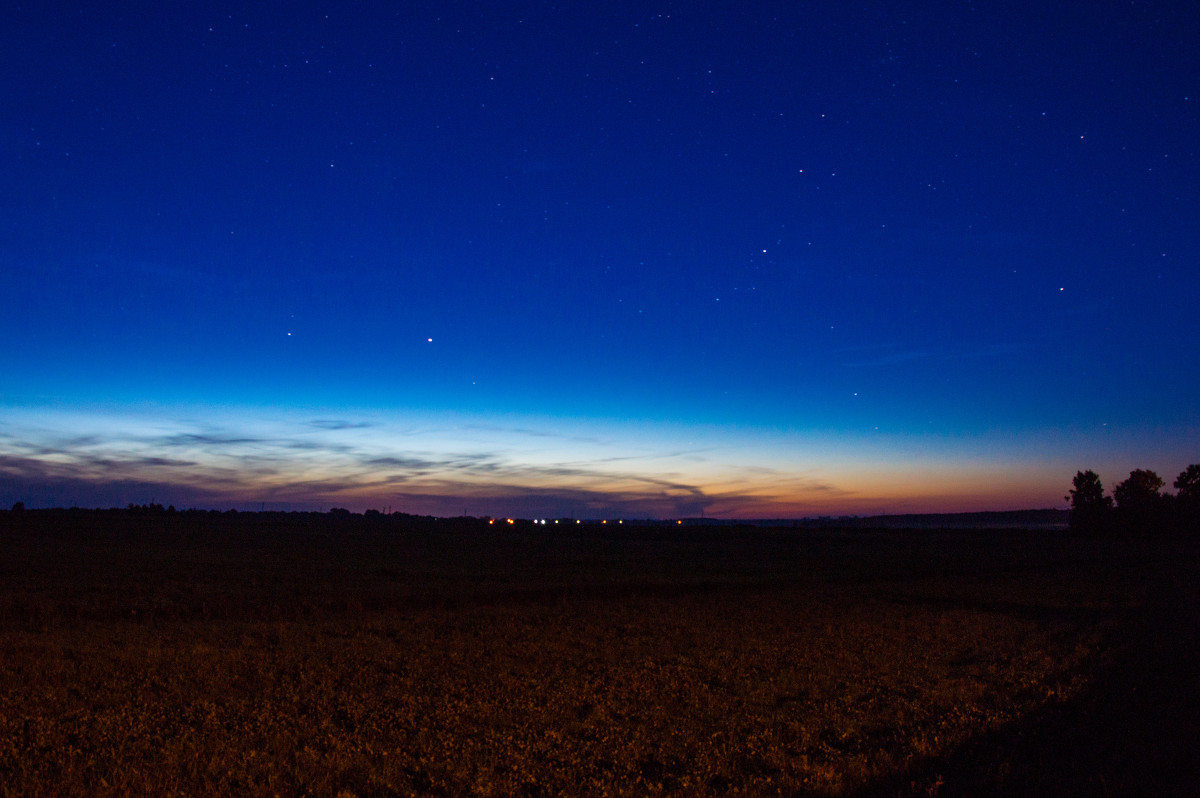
[597,259]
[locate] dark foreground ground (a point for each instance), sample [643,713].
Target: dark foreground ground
[156,655]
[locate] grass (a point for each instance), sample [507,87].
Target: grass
[177,656]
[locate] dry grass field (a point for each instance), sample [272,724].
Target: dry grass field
[254,655]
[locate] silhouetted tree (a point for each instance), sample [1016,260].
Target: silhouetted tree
[1140,490]
[1187,499]
[1188,484]
[1090,508]
[1140,506]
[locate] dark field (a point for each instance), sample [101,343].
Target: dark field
[171,654]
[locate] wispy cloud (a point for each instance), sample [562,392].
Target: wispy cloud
[307,464]
[532,433]
[410,463]
[208,441]
[340,424]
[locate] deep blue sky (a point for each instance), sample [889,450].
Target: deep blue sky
[750,259]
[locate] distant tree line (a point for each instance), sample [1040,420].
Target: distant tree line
[1137,506]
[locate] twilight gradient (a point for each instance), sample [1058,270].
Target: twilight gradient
[759,260]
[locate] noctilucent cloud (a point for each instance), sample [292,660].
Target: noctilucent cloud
[745,260]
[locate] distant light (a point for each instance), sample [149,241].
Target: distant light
[577,520]
[605,521]
[679,522]
[430,340]
[621,521]
[491,520]
[556,520]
